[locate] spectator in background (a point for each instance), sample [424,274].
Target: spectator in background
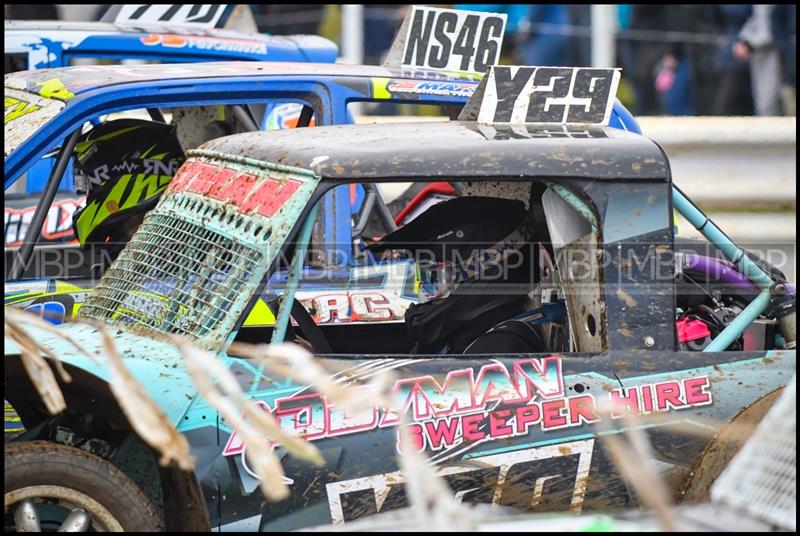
[380,26]
[756,45]
[784,33]
[674,78]
[674,84]
[545,39]
[661,75]
[733,96]
[700,55]
[580,44]
[646,56]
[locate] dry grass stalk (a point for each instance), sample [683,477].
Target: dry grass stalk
[142,412]
[23,317]
[39,372]
[294,362]
[36,321]
[223,393]
[430,497]
[633,461]
[432,501]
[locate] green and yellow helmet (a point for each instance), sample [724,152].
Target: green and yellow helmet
[123,166]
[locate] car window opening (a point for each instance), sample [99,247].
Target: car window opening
[460,274]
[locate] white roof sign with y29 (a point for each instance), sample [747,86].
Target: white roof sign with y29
[448,40]
[511,94]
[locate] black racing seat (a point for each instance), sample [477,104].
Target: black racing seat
[508,337]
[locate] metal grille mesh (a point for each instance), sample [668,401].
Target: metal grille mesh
[175,276]
[762,477]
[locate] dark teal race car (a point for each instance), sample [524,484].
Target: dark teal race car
[551,284]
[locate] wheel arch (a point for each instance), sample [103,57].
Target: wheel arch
[710,463]
[91,395]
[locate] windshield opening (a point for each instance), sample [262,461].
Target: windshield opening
[197,256]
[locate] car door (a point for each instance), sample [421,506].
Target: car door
[521,431]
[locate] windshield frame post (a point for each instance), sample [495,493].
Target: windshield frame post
[383,210]
[295,270]
[23,256]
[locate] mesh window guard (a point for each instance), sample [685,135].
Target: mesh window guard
[202,252]
[176,276]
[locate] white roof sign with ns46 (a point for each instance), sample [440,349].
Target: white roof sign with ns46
[448,40]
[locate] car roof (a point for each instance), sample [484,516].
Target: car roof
[83,78]
[99,38]
[135,29]
[454,150]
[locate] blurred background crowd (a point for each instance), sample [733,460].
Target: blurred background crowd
[735,59]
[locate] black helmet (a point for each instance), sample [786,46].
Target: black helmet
[456,228]
[462,248]
[123,166]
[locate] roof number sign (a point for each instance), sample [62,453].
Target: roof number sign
[448,40]
[197,15]
[510,94]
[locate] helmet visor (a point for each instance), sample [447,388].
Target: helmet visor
[434,280]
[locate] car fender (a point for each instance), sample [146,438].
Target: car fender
[158,366]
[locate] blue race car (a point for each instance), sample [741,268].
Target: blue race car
[49,44]
[33,45]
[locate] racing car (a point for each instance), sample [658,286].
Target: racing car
[559,254]
[324,89]
[33,45]
[60,273]
[50,44]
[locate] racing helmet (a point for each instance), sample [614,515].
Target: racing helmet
[123,166]
[475,267]
[455,241]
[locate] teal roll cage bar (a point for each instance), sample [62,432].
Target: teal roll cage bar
[736,255]
[295,269]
